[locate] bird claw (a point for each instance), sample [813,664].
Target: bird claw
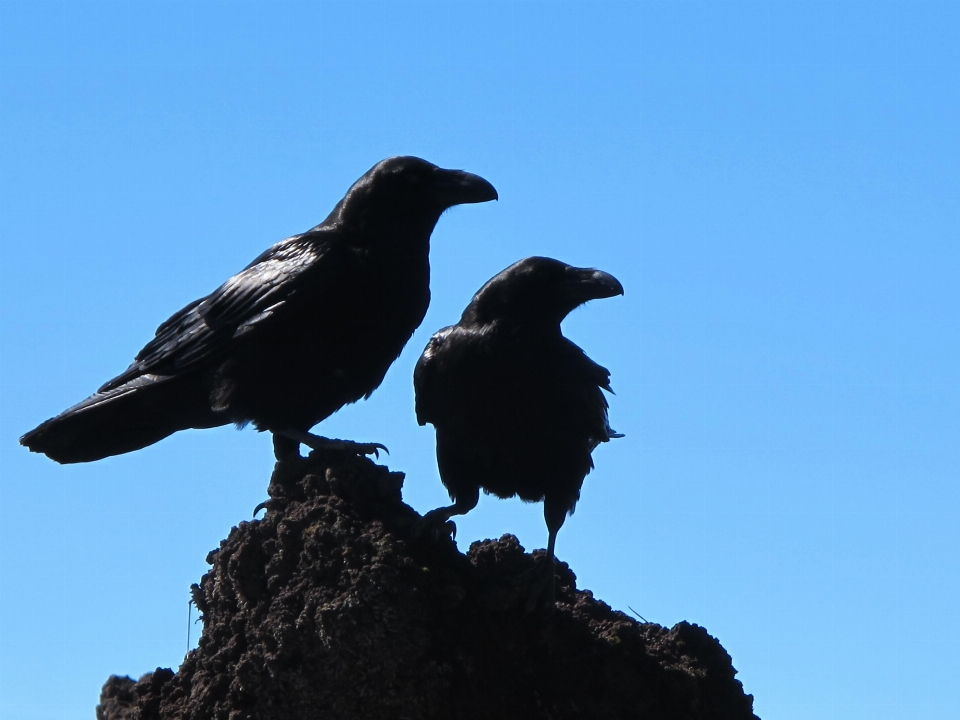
[270,504]
[323,444]
[354,447]
[437,525]
[376,448]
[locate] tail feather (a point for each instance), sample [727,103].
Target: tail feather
[132,416]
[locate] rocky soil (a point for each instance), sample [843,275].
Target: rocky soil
[335,606]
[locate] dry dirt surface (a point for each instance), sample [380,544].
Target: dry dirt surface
[336,605]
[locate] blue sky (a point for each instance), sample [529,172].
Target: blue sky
[776,184]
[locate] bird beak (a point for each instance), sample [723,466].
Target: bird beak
[593,284]
[455,187]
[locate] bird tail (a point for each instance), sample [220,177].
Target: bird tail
[132,416]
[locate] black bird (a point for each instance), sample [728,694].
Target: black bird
[518,409]
[309,326]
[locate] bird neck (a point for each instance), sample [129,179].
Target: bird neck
[526,329]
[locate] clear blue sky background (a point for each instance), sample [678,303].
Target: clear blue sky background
[776,184]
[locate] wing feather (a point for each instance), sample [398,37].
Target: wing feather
[206,327]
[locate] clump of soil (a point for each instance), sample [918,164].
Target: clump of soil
[335,605]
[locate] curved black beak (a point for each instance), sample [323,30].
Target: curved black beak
[593,284]
[456,187]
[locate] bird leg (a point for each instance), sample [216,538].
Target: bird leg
[286,443]
[438,523]
[284,448]
[546,584]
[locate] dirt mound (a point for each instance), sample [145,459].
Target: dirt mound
[333,606]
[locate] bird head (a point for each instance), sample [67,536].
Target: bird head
[539,290]
[408,193]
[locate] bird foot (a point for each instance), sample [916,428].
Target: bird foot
[544,586]
[323,444]
[347,446]
[437,524]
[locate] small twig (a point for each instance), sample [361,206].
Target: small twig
[638,614]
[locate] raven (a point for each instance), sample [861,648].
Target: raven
[518,409]
[310,325]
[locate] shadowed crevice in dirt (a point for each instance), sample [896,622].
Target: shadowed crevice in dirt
[333,606]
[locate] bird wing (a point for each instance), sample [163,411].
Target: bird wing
[463,365]
[426,375]
[205,327]
[446,375]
